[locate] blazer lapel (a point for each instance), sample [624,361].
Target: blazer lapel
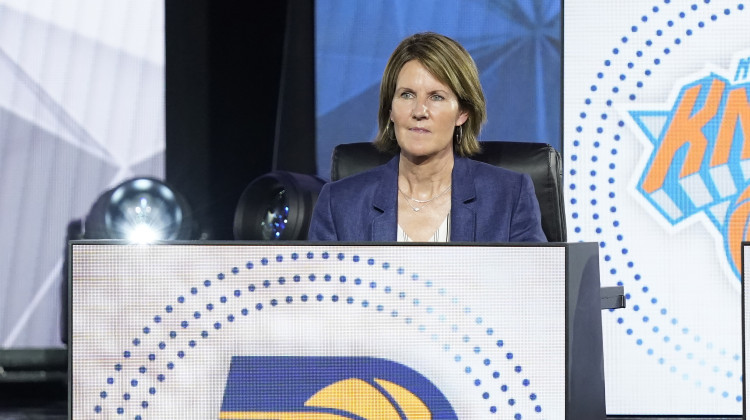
[385,210]
[463,216]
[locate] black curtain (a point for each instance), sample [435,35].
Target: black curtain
[239,86]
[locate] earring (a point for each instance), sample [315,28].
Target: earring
[458,135]
[388,134]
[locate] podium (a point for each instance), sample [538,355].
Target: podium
[244,330]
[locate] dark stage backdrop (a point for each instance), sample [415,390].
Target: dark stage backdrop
[223,67]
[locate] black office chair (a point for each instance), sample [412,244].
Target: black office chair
[541,161]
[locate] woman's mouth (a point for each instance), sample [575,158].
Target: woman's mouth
[419,130]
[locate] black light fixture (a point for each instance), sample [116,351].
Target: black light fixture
[140,210]
[277,206]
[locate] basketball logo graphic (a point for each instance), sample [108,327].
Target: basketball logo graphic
[325,388]
[700,163]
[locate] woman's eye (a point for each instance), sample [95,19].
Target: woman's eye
[407,95]
[437,98]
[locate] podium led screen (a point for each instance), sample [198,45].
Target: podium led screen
[314,331]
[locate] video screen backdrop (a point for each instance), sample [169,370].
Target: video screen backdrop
[515,44]
[249,331]
[656,124]
[745,320]
[81,109]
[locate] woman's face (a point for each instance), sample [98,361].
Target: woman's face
[424,113]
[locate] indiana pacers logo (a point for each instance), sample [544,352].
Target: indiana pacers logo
[701,157]
[329,388]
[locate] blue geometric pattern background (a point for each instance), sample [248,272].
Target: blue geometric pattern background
[515,44]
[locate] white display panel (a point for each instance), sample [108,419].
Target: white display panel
[655,132]
[745,322]
[242,331]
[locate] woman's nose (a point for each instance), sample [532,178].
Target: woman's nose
[420,111]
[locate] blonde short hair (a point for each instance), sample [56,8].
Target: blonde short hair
[452,65]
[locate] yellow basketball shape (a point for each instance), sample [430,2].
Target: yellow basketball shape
[352,396]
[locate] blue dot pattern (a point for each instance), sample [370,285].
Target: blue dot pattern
[648,324]
[479,352]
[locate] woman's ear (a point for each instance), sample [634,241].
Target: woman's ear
[462,117]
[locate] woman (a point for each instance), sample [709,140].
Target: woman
[431,110]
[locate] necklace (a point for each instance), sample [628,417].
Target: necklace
[423,203]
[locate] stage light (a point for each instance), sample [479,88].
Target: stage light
[277,206]
[140,210]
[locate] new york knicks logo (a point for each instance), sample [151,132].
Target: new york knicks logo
[329,388]
[700,163]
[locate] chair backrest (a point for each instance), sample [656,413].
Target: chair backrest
[541,161]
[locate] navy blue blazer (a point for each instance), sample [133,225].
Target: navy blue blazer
[488,204]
